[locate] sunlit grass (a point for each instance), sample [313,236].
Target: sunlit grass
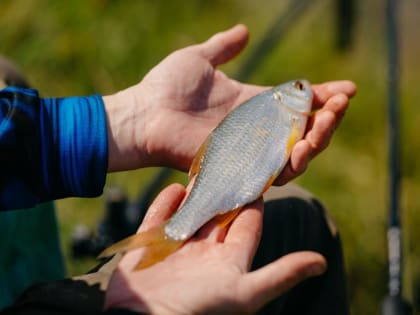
[83,47]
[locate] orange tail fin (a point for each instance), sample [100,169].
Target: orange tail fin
[157,244]
[158,252]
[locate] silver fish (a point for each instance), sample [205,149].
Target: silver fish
[239,160]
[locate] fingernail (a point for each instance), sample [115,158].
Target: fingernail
[316,270]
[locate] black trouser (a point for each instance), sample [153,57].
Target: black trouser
[293,221]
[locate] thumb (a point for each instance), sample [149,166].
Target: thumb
[224,46]
[267,283]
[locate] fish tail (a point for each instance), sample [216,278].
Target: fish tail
[138,240]
[157,246]
[158,252]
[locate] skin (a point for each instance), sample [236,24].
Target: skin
[210,273]
[162,121]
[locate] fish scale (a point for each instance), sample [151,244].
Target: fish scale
[240,159]
[219,176]
[235,168]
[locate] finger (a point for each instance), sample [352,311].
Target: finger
[337,105]
[299,159]
[164,205]
[235,228]
[212,231]
[265,284]
[245,234]
[223,46]
[322,92]
[316,140]
[215,230]
[319,135]
[321,129]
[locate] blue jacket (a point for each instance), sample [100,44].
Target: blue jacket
[50,148]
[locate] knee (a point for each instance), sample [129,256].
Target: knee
[297,204]
[294,220]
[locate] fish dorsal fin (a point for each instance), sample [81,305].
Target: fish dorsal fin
[196,163]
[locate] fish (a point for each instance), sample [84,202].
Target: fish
[236,164]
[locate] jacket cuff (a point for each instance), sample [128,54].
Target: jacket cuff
[74,146]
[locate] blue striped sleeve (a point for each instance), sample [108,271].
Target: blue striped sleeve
[50,148]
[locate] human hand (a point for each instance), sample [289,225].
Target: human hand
[210,273]
[163,120]
[330,103]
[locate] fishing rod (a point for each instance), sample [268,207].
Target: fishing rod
[394,303]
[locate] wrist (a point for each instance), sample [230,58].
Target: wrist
[126,126]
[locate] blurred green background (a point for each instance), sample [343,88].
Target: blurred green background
[81,47]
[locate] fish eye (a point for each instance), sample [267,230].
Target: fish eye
[299,86]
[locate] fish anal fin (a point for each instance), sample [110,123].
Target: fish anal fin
[196,163]
[224,219]
[158,252]
[142,239]
[269,183]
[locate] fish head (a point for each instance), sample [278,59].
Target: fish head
[296,95]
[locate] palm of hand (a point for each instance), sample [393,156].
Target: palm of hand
[209,274]
[200,271]
[191,97]
[206,270]
[185,96]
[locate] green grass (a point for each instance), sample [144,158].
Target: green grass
[83,47]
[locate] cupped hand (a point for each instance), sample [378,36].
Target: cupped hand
[163,120]
[210,273]
[331,100]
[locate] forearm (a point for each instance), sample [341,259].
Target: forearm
[50,148]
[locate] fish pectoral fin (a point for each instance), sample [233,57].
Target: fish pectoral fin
[196,163]
[158,252]
[146,238]
[225,219]
[294,136]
